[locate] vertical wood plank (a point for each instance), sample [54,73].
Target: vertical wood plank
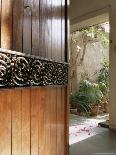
[35,97]
[35,28]
[49,30]
[6,24]
[59,30]
[63,29]
[17,122]
[53,121]
[66,121]
[48,109]
[48,133]
[41,116]
[0,19]
[38,119]
[26,122]
[42,28]
[5,123]
[59,122]
[27,29]
[64,117]
[17,24]
[54,30]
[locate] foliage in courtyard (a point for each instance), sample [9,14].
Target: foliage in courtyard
[97,32]
[95,91]
[91,94]
[103,78]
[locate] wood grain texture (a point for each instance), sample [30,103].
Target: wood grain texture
[26,125]
[48,111]
[0,19]
[33,121]
[35,27]
[59,122]
[42,28]
[16,123]
[5,123]
[42,103]
[6,24]
[53,121]
[63,29]
[17,25]
[27,29]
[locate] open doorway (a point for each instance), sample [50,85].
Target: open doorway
[89,80]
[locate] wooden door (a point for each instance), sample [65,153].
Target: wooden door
[33,120]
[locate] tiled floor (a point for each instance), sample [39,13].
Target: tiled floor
[100,144]
[86,138]
[82,128]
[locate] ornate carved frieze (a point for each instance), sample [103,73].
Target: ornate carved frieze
[20,70]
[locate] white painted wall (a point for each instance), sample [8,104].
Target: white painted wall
[85,9]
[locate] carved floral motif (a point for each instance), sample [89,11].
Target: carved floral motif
[19,70]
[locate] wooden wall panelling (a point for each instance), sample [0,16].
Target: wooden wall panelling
[66,96]
[27,26]
[17,25]
[60,129]
[54,30]
[5,123]
[64,120]
[17,122]
[6,24]
[59,123]
[64,90]
[48,104]
[63,29]
[5,100]
[35,27]
[48,111]
[59,30]
[36,122]
[49,30]
[0,19]
[55,56]
[26,125]
[53,121]
[42,28]
[45,28]
[35,101]
[42,109]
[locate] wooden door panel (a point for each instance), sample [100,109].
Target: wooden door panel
[17,25]
[16,122]
[6,24]
[5,123]
[33,120]
[26,122]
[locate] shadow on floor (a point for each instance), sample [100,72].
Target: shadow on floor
[103,143]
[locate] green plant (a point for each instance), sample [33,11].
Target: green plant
[103,78]
[89,94]
[90,91]
[97,32]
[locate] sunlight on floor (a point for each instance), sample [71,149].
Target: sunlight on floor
[82,128]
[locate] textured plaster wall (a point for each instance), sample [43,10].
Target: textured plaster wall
[95,53]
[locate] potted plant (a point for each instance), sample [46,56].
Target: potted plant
[103,81]
[87,98]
